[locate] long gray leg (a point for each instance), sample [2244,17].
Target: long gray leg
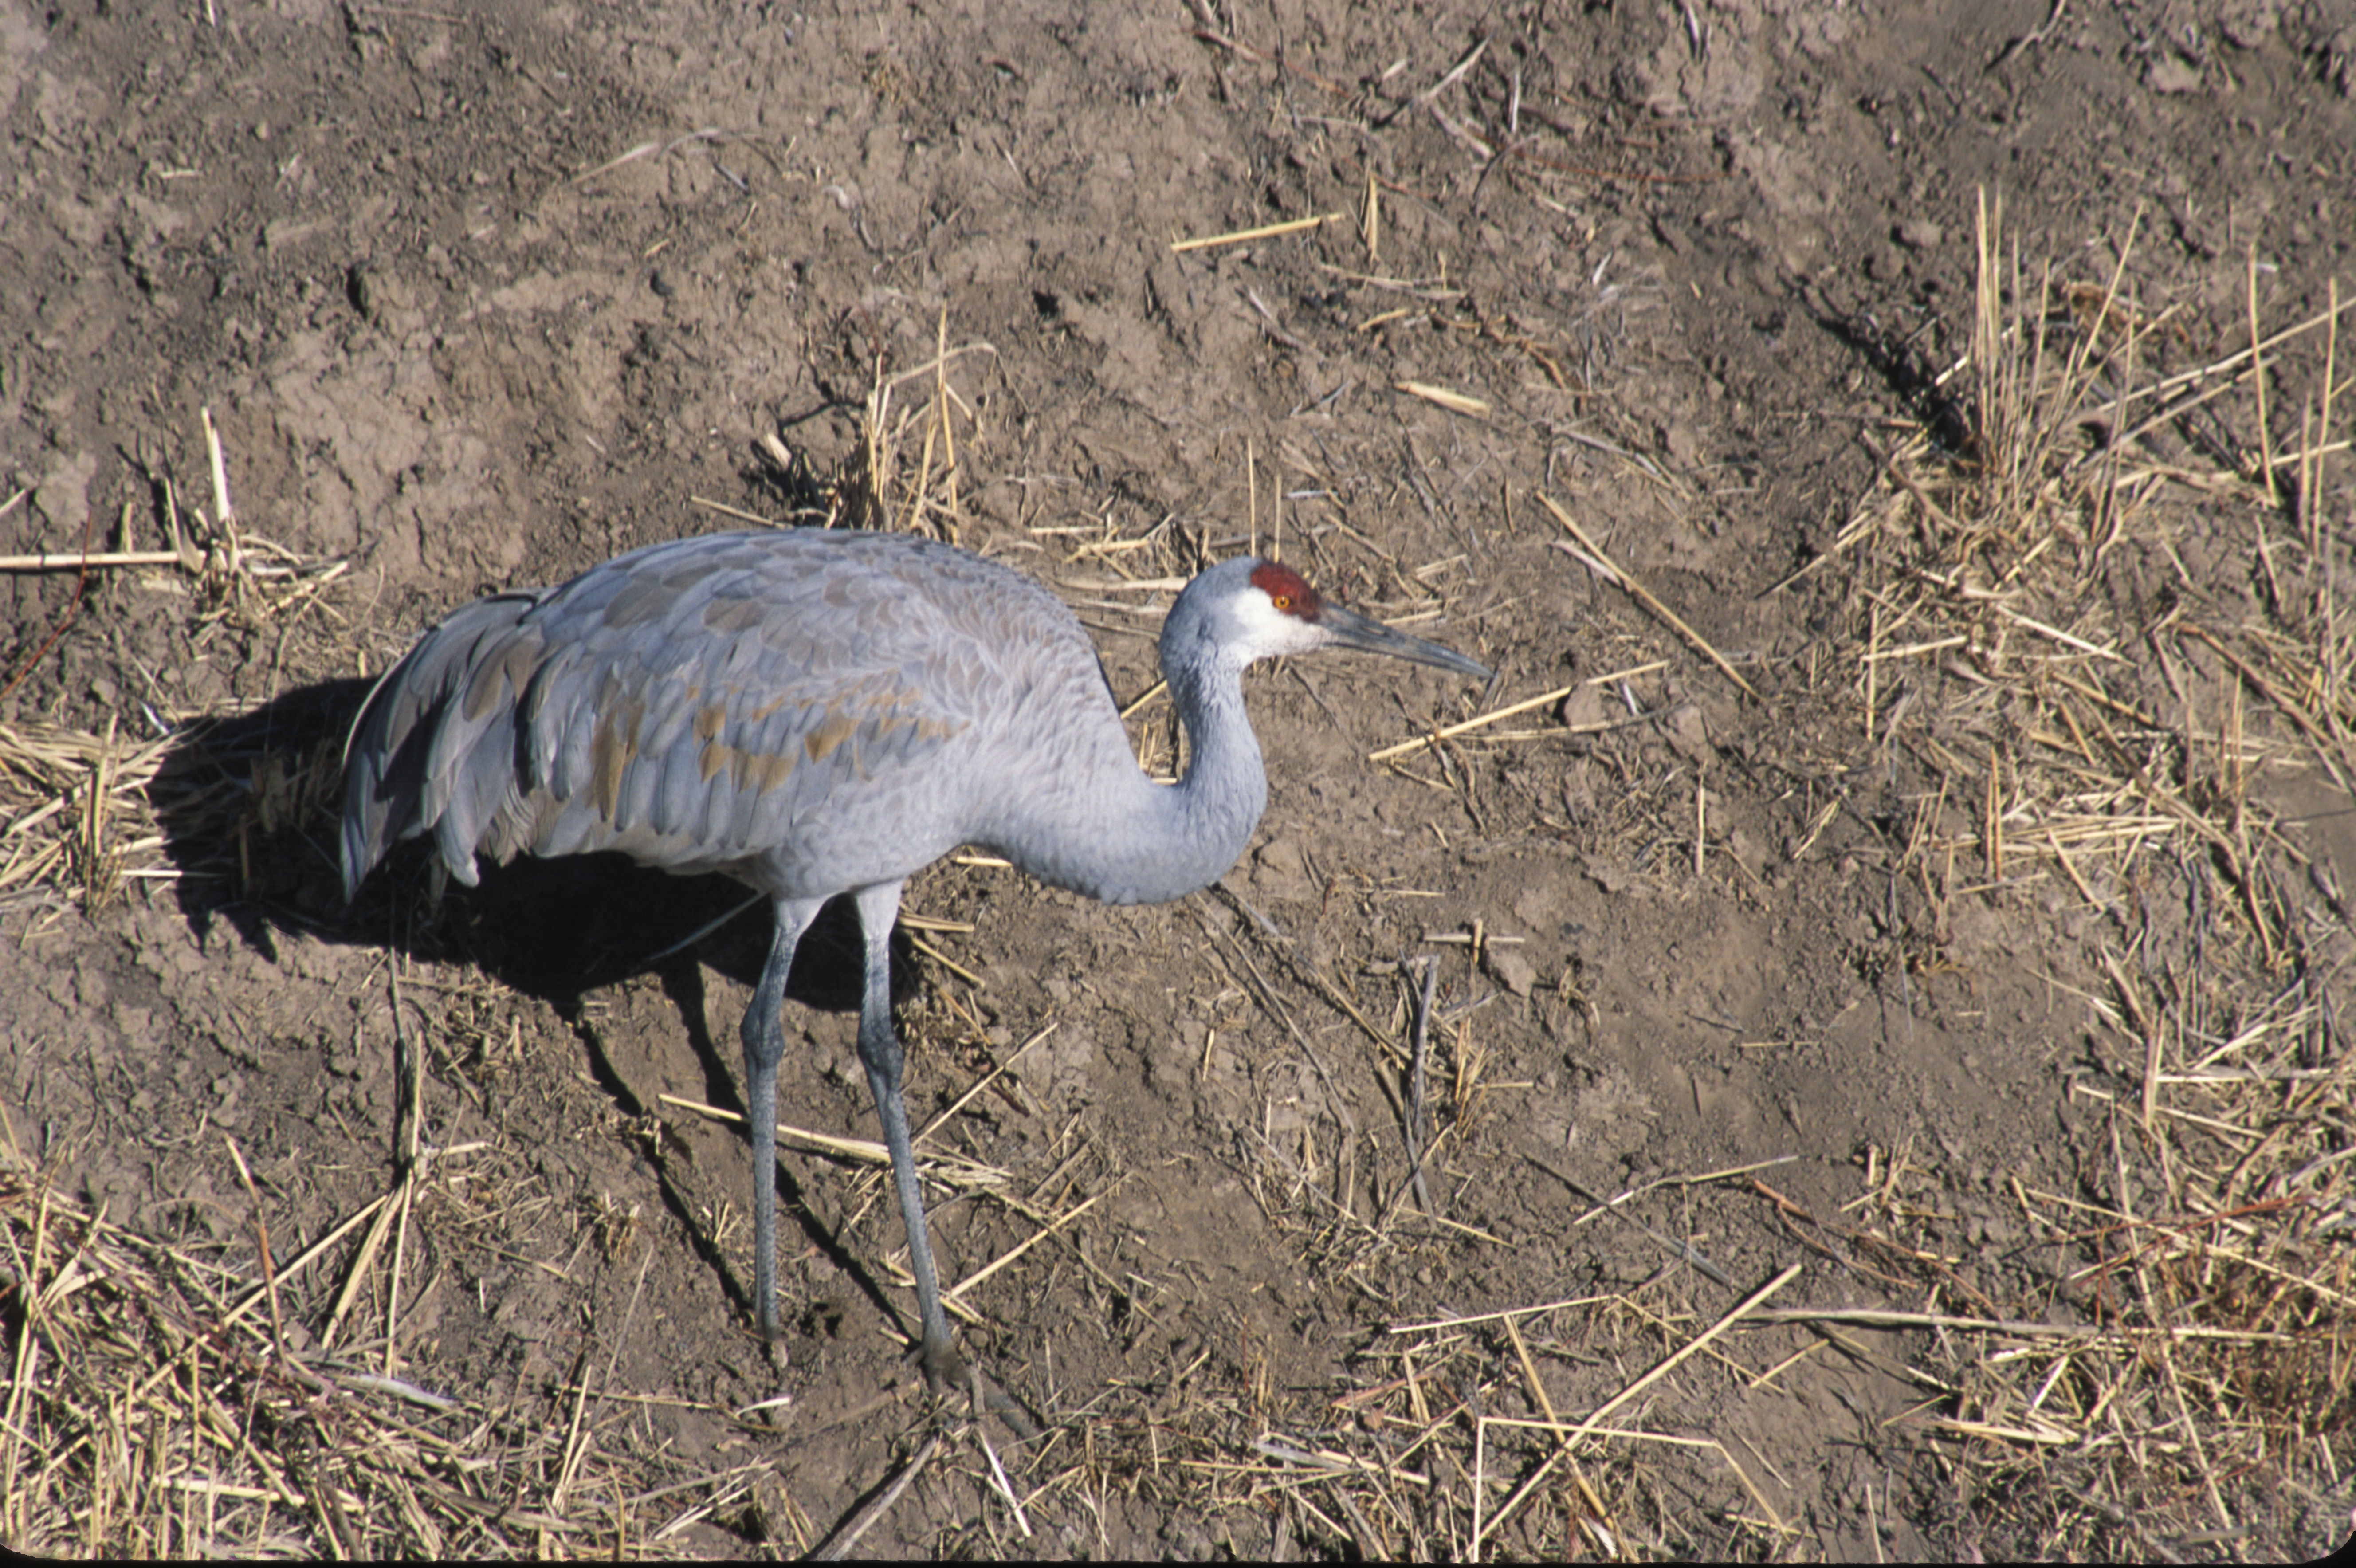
[879,1048]
[765,1046]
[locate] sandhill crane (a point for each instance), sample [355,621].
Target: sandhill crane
[819,713]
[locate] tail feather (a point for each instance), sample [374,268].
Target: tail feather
[433,748]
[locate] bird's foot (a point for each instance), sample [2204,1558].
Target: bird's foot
[944,1368]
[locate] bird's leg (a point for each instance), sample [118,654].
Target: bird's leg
[879,1048]
[765,1046]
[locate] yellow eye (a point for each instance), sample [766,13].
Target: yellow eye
[1282,601]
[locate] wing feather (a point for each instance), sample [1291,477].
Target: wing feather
[716,702]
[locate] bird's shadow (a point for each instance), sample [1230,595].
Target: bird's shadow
[250,809]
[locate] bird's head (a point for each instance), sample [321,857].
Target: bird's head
[1248,609]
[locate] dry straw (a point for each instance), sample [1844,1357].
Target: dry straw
[166,1399]
[2200,1329]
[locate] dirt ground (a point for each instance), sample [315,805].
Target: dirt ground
[1956,968]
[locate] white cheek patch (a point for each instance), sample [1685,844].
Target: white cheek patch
[1268,630]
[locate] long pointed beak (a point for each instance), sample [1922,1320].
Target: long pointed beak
[1348,629]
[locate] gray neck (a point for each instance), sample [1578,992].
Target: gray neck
[1130,841]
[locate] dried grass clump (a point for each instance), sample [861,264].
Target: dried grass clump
[83,813]
[160,1401]
[876,488]
[2027,623]
[1427,1459]
[2163,1361]
[2166,1366]
[78,815]
[75,813]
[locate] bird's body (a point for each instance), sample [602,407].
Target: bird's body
[716,703]
[817,712]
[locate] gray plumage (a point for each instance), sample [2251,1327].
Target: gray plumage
[818,713]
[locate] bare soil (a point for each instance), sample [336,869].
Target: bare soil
[478,295]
